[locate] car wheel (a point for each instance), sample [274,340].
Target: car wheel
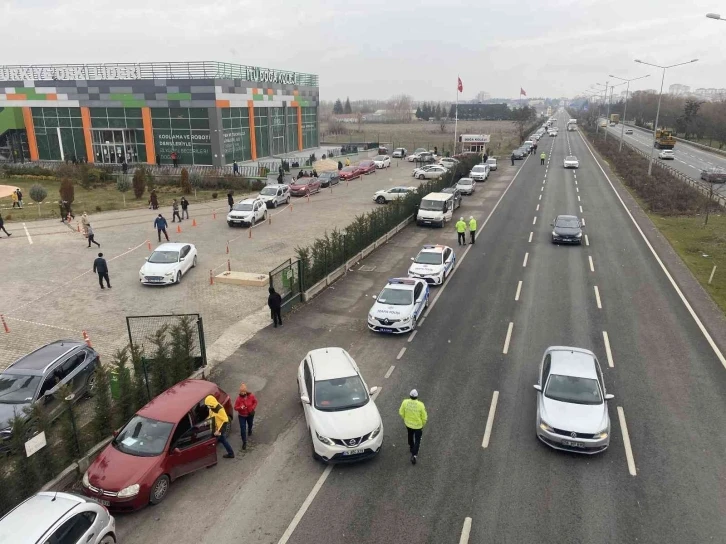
[427,300]
[421,176]
[108,539]
[381,200]
[252,222]
[413,324]
[194,262]
[178,277]
[288,200]
[91,385]
[274,204]
[264,216]
[159,490]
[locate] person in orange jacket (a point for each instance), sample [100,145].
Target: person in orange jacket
[245,406]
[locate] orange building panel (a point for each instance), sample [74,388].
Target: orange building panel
[222,103]
[253,136]
[148,136]
[30,131]
[86,122]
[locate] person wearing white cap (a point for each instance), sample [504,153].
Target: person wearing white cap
[472,228]
[413,413]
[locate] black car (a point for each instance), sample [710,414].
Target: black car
[518,154]
[567,229]
[457,195]
[39,377]
[328,179]
[426,157]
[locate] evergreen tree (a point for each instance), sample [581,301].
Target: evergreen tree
[140,386]
[338,107]
[44,459]
[182,347]
[126,403]
[437,112]
[159,368]
[103,410]
[419,113]
[347,108]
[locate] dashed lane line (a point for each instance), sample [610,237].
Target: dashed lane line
[508,338]
[597,298]
[608,351]
[592,265]
[400,353]
[27,234]
[526,256]
[390,371]
[490,420]
[530,237]
[412,335]
[626,442]
[465,531]
[587,240]
[519,290]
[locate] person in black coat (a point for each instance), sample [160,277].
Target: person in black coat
[2,226]
[274,301]
[100,267]
[230,200]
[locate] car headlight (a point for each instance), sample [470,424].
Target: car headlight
[554,233]
[85,481]
[130,491]
[375,433]
[602,434]
[545,426]
[406,319]
[324,439]
[168,273]
[578,235]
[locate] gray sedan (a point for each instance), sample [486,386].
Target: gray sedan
[572,408]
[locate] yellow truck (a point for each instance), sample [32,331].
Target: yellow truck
[664,139]
[614,118]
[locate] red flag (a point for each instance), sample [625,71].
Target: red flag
[521,92]
[460,86]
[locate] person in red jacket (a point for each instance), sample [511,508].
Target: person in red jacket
[245,406]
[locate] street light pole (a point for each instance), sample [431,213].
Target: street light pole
[657,113]
[625,108]
[597,124]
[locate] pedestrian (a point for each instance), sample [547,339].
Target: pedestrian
[100,267]
[2,226]
[158,159]
[175,211]
[340,166]
[124,167]
[230,200]
[274,301]
[314,173]
[347,161]
[413,413]
[472,229]
[174,159]
[245,406]
[90,233]
[20,197]
[154,200]
[512,159]
[436,150]
[68,211]
[220,424]
[299,174]
[85,222]
[74,160]
[14,196]
[542,157]
[235,168]
[62,208]
[461,231]
[184,207]
[161,224]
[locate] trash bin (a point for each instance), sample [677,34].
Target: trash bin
[113,381]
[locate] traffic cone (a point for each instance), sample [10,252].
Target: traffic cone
[194,222]
[227,248]
[148,244]
[5,325]
[249,233]
[178,229]
[214,214]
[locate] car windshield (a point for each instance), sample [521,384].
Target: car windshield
[340,394]
[349,169]
[143,437]
[573,389]
[365,164]
[478,169]
[491,161]
[570,158]
[464,181]
[429,257]
[268,191]
[303,181]
[379,158]
[325,175]
[432,205]
[396,297]
[242,207]
[18,388]
[164,257]
[567,223]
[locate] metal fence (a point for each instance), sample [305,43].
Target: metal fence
[143,330]
[287,281]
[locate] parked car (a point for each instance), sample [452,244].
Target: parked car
[247,212]
[367,167]
[382,161]
[273,195]
[349,172]
[426,156]
[169,437]
[492,162]
[434,172]
[667,155]
[467,186]
[518,154]
[433,264]
[394,193]
[572,407]
[305,186]
[480,172]
[328,179]
[398,306]
[449,162]
[39,376]
[52,517]
[567,229]
[714,175]
[457,195]
[628,131]
[400,153]
[571,162]
[168,263]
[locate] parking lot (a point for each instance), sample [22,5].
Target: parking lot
[55,294]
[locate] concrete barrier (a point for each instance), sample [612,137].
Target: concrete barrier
[687,142]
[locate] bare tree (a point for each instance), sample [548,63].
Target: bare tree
[442,124]
[401,106]
[359,120]
[482,96]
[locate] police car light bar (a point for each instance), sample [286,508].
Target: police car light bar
[436,246]
[402,281]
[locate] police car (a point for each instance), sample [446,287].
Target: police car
[433,264]
[399,305]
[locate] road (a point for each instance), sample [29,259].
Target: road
[512,295]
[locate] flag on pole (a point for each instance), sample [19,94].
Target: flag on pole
[521,92]
[460,85]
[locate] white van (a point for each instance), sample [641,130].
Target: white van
[435,209]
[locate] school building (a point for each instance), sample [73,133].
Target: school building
[209,113]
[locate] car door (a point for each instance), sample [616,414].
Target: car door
[184,261]
[448,259]
[418,297]
[74,372]
[193,446]
[49,395]
[307,389]
[78,529]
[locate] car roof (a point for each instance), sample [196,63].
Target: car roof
[565,216]
[403,284]
[437,196]
[30,520]
[37,361]
[276,185]
[570,157]
[433,249]
[176,401]
[569,361]
[462,179]
[171,246]
[331,363]
[249,200]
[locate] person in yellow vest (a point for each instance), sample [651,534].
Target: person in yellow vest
[413,413]
[347,161]
[220,423]
[542,157]
[472,229]
[461,231]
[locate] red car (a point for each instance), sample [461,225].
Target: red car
[349,172]
[169,437]
[366,167]
[305,186]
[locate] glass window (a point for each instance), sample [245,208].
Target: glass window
[98,112]
[178,113]
[396,297]
[236,131]
[72,531]
[199,123]
[143,437]
[198,113]
[262,132]
[292,144]
[573,389]
[17,388]
[182,123]
[134,113]
[340,394]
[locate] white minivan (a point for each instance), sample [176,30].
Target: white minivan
[435,209]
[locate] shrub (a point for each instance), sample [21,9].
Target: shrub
[139,183]
[186,187]
[69,171]
[149,177]
[195,179]
[123,185]
[67,190]
[38,193]
[214,196]
[126,404]
[23,171]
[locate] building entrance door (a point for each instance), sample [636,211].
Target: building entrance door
[114,146]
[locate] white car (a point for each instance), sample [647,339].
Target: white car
[382,161]
[571,162]
[667,155]
[480,172]
[492,162]
[273,195]
[399,153]
[414,156]
[342,418]
[399,305]
[434,172]
[553,133]
[168,263]
[433,264]
[248,212]
[416,171]
[449,162]
[467,186]
[394,193]
[628,131]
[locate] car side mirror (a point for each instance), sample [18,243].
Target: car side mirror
[305,399]
[373,390]
[176,451]
[146,259]
[180,260]
[375,297]
[115,433]
[413,259]
[538,387]
[609,396]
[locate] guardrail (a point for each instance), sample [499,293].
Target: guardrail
[682,140]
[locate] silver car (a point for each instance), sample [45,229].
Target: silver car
[572,408]
[58,517]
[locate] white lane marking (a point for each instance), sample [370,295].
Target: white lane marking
[490,420]
[390,371]
[575,182]
[587,240]
[30,240]
[577,189]
[526,256]
[466,252]
[412,335]
[305,505]
[597,298]
[687,304]
[538,205]
[508,338]
[400,353]
[580,209]
[544,181]
[464,539]
[530,237]
[583,221]
[424,317]
[519,290]
[608,351]
[592,265]
[540,197]
[534,221]
[542,189]
[578,198]
[626,442]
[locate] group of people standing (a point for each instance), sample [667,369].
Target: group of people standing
[17,197]
[245,406]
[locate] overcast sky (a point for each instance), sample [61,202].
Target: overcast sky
[376,48]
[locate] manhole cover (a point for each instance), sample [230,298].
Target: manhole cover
[366,268]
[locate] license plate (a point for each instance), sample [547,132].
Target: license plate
[385,330]
[573,444]
[353,452]
[100,501]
